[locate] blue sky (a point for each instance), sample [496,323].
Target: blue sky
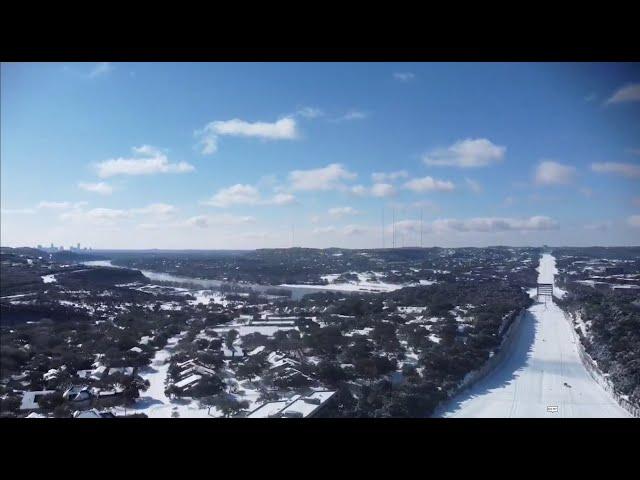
[232,155]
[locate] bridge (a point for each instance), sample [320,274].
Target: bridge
[545,289]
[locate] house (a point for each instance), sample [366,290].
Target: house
[256,350]
[30,399]
[84,374]
[93,413]
[269,409]
[297,406]
[308,406]
[234,353]
[114,392]
[98,372]
[283,364]
[50,375]
[191,367]
[187,383]
[127,371]
[78,395]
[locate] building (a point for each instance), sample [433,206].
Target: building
[187,383]
[296,407]
[93,413]
[30,399]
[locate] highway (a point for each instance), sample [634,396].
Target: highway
[542,376]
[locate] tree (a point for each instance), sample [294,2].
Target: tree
[50,401]
[251,368]
[9,404]
[227,404]
[230,338]
[207,386]
[367,368]
[330,372]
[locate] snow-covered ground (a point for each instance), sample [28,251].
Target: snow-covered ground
[367,282]
[155,403]
[542,376]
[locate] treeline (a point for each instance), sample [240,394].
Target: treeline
[613,333]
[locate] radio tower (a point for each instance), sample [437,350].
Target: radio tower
[394,228]
[420,227]
[383,228]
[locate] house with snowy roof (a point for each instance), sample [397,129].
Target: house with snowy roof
[297,406]
[30,399]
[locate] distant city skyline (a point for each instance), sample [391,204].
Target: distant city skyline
[243,156]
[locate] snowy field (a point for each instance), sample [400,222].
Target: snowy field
[367,282]
[542,376]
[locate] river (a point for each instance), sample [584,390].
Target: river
[297,292]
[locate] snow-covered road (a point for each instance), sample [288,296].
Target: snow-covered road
[542,376]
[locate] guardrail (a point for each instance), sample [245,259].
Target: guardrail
[507,331]
[595,373]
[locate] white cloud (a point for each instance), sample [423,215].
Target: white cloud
[587,192]
[383,190]
[634,221]
[282,199]
[352,115]
[429,205]
[237,194]
[554,173]
[508,201]
[18,211]
[429,184]
[110,216]
[599,226]
[155,209]
[147,160]
[310,112]
[283,129]
[382,177]
[494,224]
[96,216]
[100,69]
[101,188]
[340,212]
[404,76]
[407,227]
[206,221]
[628,170]
[55,205]
[326,178]
[241,194]
[468,153]
[474,185]
[354,230]
[324,230]
[627,93]
[358,190]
